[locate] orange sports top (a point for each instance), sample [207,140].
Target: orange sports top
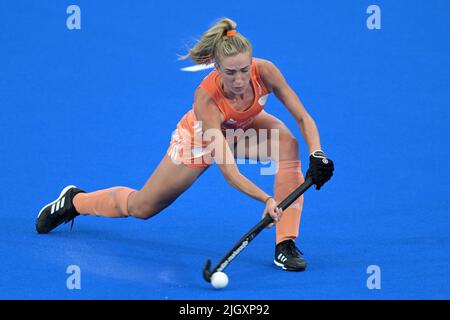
[233,119]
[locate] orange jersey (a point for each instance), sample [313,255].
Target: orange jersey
[189,132]
[233,119]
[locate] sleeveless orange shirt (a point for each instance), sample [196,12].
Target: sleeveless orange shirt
[233,119]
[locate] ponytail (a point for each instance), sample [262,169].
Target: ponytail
[219,42]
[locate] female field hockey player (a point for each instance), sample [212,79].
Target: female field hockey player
[231,97]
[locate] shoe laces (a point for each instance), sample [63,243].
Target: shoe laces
[70,220]
[292,249]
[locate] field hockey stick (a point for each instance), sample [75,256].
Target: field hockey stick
[249,236]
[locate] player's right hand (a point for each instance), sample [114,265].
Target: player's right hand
[274,212]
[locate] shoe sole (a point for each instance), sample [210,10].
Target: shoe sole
[59,198]
[278,264]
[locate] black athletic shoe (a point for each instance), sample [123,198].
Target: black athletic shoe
[288,257]
[59,211]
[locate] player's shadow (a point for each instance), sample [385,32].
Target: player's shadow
[133,246]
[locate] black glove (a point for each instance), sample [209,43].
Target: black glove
[320,168]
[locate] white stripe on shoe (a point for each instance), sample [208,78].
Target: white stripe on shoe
[279,264]
[59,198]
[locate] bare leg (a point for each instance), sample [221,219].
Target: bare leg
[166,184]
[287,143]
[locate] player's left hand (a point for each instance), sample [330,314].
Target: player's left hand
[320,168]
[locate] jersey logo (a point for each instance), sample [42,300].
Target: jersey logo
[262,101]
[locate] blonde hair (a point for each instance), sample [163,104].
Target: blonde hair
[215,45]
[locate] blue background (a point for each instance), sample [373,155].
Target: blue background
[96,107]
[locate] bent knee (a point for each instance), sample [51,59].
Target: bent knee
[288,146]
[145,210]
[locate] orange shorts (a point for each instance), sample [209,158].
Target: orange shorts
[188,150]
[187,146]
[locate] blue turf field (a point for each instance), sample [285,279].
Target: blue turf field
[96,107]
